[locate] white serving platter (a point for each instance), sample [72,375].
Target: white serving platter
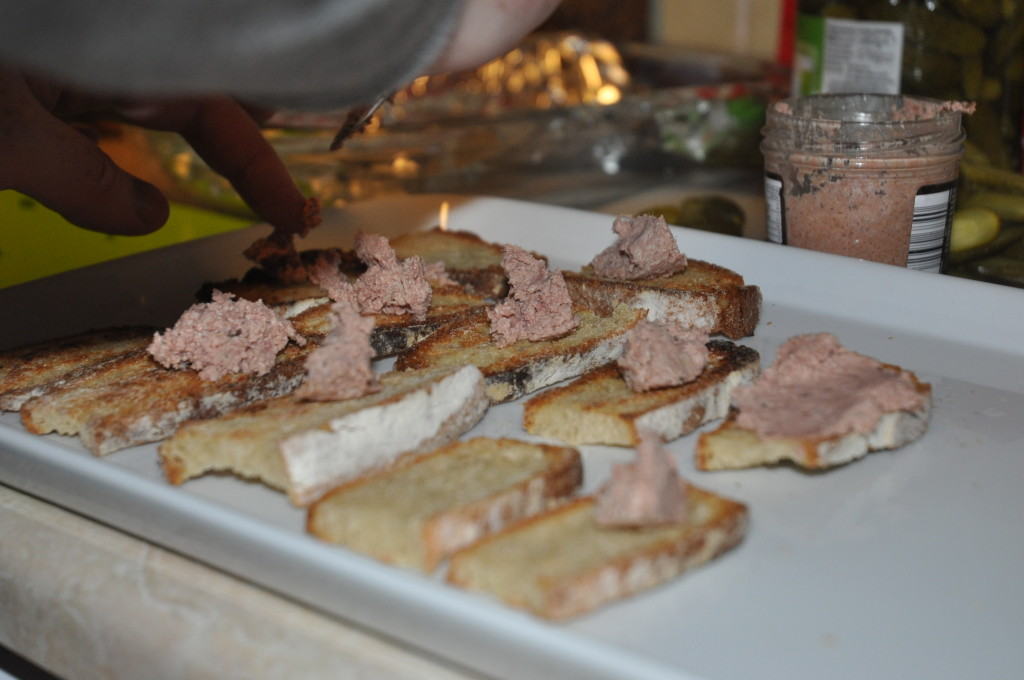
[906,564]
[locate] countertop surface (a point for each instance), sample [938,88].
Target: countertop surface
[84,602]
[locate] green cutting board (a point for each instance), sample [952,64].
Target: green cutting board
[37,242]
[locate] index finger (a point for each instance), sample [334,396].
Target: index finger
[227,137]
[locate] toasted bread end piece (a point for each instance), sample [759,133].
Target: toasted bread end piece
[561,564]
[704,295]
[419,512]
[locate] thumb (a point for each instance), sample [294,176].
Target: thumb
[61,168]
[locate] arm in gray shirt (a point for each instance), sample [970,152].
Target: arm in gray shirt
[312,54]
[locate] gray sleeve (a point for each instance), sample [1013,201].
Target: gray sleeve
[304,54]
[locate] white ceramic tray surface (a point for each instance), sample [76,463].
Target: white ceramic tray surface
[906,564]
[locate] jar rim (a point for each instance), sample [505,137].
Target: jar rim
[864,125]
[895,110]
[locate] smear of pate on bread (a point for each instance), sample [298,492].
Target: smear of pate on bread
[816,387]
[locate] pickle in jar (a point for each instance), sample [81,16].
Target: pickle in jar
[972,228]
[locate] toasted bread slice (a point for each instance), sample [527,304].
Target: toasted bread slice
[134,400]
[600,408]
[524,366]
[470,260]
[561,563]
[418,513]
[732,447]
[260,284]
[33,370]
[306,448]
[704,295]
[393,333]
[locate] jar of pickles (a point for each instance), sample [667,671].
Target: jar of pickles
[968,50]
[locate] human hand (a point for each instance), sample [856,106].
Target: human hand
[43,156]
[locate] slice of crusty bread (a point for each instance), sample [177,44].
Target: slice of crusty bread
[306,448]
[393,333]
[600,408]
[134,400]
[260,284]
[704,295]
[524,366]
[32,370]
[468,259]
[418,513]
[561,564]
[731,446]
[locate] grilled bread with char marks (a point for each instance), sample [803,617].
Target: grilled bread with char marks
[395,333]
[133,400]
[105,389]
[473,263]
[470,260]
[525,366]
[704,295]
[33,370]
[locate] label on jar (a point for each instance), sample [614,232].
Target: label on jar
[774,220]
[929,232]
[929,229]
[847,55]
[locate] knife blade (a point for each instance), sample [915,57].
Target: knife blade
[356,120]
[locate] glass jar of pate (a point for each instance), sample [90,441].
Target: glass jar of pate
[864,175]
